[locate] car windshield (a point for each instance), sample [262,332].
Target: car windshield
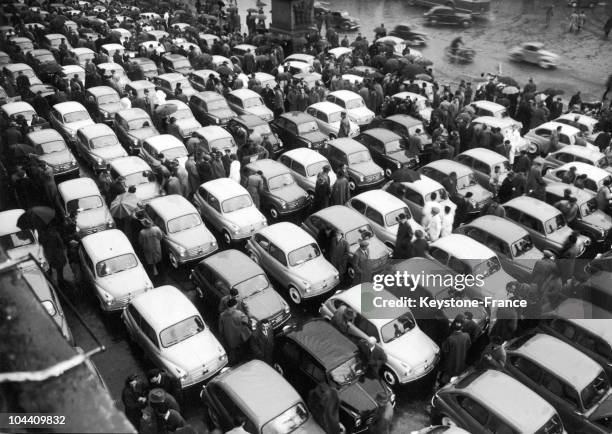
[391,218]
[347,372]
[216,104]
[46,58]
[136,124]
[316,168]
[588,207]
[108,99]
[394,146]
[16,240]
[554,224]
[595,391]
[359,157]
[487,268]
[304,254]
[398,327]
[181,63]
[252,102]
[28,115]
[262,129]
[288,421]
[76,116]
[223,143]
[334,117]
[357,234]
[50,147]
[236,203]
[522,246]
[137,178]
[354,103]
[183,223]
[84,203]
[180,331]
[466,181]
[307,127]
[252,285]
[280,181]
[177,152]
[104,141]
[116,265]
[182,114]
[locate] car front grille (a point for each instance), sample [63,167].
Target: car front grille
[372,178]
[280,318]
[202,250]
[296,203]
[200,374]
[93,229]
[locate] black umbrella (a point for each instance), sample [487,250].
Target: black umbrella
[21,150]
[224,70]
[391,65]
[553,91]
[36,218]
[509,81]
[283,76]
[405,175]
[379,30]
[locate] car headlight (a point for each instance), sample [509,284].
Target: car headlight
[361,178]
[110,223]
[108,299]
[181,251]
[223,357]
[148,285]
[234,228]
[382,172]
[213,243]
[306,286]
[406,367]
[357,421]
[336,276]
[283,204]
[182,375]
[286,308]
[309,145]
[398,164]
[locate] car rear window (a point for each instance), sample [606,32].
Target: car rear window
[16,239]
[116,265]
[180,331]
[288,421]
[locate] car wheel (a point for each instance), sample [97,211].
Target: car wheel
[295,295]
[389,377]
[199,292]
[278,368]
[332,136]
[388,172]
[352,185]
[274,213]
[253,257]
[447,421]
[173,261]
[227,238]
[350,271]
[465,23]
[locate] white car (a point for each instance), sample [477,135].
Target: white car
[411,354]
[185,121]
[19,243]
[138,173]
[173,335]
[299,63]
[84,54]
[97,145]
[305,165]
[584,123]
[166,144]
[533,52]
[68,117]
[595,175]
[245,101]
[353,104]
[489,108]
[112,268]
[328,116]
[82,196]
[422,103]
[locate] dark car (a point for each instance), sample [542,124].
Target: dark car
[102,102]
[316,352]
[176,63]
[446,15]
[387,149]
[342,20]
[210,108]
[44,64]
[597,289]
[298,130]
[409,34]
[405,126]
[254,124]
[475,7]
[214,276]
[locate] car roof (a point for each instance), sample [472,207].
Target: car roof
[492,121]
[405,120]
[142,84]
[172,206]
[305,156]
[269,167]
[345,94]
[593,172]
[39,51]
[301,56]
[13,67]
[244,93]
[583,119]
[208,95]
[381,201]
[106,244]
[133,113]
[8,221]
[447,166]
[44,136]
[97,130]
[580,194]
[245,47]
[164,306]
[17,107]
[70,69]
[342,217]
[68,106]
[249,120]
[204,73]
[581,151]
[560,358]
[354,298]
[327,107]
[113,46]
[102,90]
[382,134]
[500,227]
[586,315]
[212,132]
[425,185]
[324,342]
[411,95]
[347,145]
[535,44]
[171,76]
[565,129]
[163,142]
[233,265]
[533,206]
[287,236]
[261,389]
[140,61]
[489,105]
[110,66]
[129,165]
[513,400]
[485,155]
[174,56]
[77,188]
[463,247]
[298,116]
[224,188]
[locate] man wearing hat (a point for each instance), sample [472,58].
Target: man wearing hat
[149,239]
[343,317]
[168,419]
[361,263]
[454,352]
[373,356]
[403,241]
[322,190]
[384,414]
[159,378]
[543,268]
[134,399]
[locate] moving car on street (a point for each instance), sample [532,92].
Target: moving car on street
[533,52]
[447,15]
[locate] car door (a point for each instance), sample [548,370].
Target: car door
[214,207]
[203,277]
[376,220]
[288,355]
[299,172]
[312,371]
[149,342]
[415,202]
[278,264]
[87,266]
[362,328]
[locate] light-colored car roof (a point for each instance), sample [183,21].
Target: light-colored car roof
[499,226]
[562,359]
[580,194]
[245,47]
[74,69]
[17,107]
[412,96]
[82,50]
[327,107]
[8,221]
[205,73]
[342,217]
[382,134]
[128,165]
[106,244]
[301,57]
[97,130]
[424,186]
[164,306]
[113,47]
[345,95]
[171,76]
[14,67]
[534,207]
[269,167]
[102,90]
[305,156]
[448,166]
[581,151]
[77,188]
[212,132]
[69,107]
[565,129]
[587,316]
[172,206]
[287,236]
[347,145]
[582,119]
[492,121]
[141,84]
[163,142]
[110,66]
[133,113]
[511,399]
[353,297]
[381,201]
[592,172]
[340,51]
[224,188]
[245,93]
[463,247]
[44,136]
[485,155]
[489,105]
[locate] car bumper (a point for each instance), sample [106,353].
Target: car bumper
[196,378]
[118,304]
[196,253]
[288,210]
[421,372]
[83,232]
[245,232]
[66,172]
[370,184]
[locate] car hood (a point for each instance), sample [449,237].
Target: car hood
[360,396]
[147,191]
[74,126]
[479,193]
[315,270]
[193,237]
[314,136]
[198,351]
[599,219]
[93,217]
[187,126]
[400,156]
[544,53]
[289,193]
[224,113]
[143,133]
[111,107]
[245,216]
[125,282]
[56,158]
[366,168]
[109,152]
[560,236]
[261,111]
[414,348]
[264,304]
[361,113]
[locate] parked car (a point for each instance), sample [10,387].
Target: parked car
[439,170]
[142,67]
[353,104]
[411,354]
[363,173]
[297,129]
[164,144]
[293,259]
[137,173]
[405,126]
[97,144]
[539,137]
[489,108]
[186,238]
[267,401]
[173,335]
[245,101]
[133,126]
[82,196]
[299,63]
[512,244]
[214,276]
[281,195]
[447,15]
[44,64]
[382,210]
[176,63]
[214,136]
[67,118]
[305,165]
[168,84]
[328,116]
[317,352]
[533,52]
[12,70]
[210,108]
[594,180]
[421,102]
[575,153]
[102,103]
[544,222]
[569,380]
[184,119]
[20,243]
[12,110]
[50,148]
[24,44]
[388,150]
[111,267]
[590,222]
[484,162]
[354,228]
[480,400]
[138,87]
[596,289]
[586,124]
[113,75]
[254,124]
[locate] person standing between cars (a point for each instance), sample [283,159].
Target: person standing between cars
[343,318]
[53,246]
[341,192]
[345,126]
[568,257]
[149,239]
[454,352]
[234,169]
[339,252]
[324,404]
[581,21]
[322,190]
[261,342]
[604,196]
[134,399]
[403,240]
[434,225]
[374,357]
[549,14]
[361,263]
[193,177]
[254,186]
[235,331]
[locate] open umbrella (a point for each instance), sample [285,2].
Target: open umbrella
[284,76]
[36,218]
[405,175]
[510,90]
[509,81]
[261,16]
[553,91]
[224,70]
[165,110]
[391,65]
[425,77]
[124,205]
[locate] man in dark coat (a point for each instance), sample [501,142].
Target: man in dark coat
[403,240]
[322,190]
[341,192]
[248,62]
[235,331]
[454,352]
[339,252]
[324,404]
[345,126]
[204,169]
[261,342]
[450,184]
[535,183]
[163,380]
[361,263]
[134,399]
[374,357]
[543,268]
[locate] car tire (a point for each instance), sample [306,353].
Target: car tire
[352,185]
[447,421]
[389,377]
[294,295]
[173,260]
[199,291]
[227,238]
[274,213]
[332,136]
[543,65]
[278,368]
[388,172]
[350,272]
